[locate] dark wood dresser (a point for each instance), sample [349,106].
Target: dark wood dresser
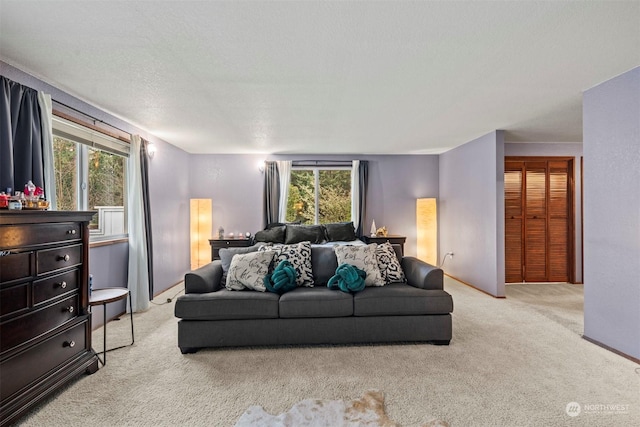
[391,238]
[45,324]
[217,244]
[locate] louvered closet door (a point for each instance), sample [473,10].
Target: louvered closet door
[535,226]
[558,221]
[513,221]
[538,212]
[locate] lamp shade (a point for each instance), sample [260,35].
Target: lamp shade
[201,232]
[427,230]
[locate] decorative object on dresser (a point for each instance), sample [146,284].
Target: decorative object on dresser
[45,324]
[217,244]
[394,239]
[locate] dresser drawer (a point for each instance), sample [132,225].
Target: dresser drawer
[13,236]
[41,359]
[49,260]
[14,299]
[217,244]
[20,329]
[54,286]
[15,266]
[238,243]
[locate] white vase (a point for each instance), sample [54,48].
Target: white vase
[373,228]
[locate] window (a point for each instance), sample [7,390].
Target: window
[319,195]
[91,174]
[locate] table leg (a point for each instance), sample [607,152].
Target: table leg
[131,316]
[104,333]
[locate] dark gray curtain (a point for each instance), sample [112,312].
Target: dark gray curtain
[271,193]
[20,136]
[144,167]
[363,178]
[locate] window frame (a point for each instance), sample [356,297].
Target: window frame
[316,185]
[86,138]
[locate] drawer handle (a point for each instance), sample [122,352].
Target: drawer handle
[64,258]
[63,284]
[70,343]
[73,231]
[69,309]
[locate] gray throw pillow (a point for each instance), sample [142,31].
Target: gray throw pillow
[304,233]
[272,235]
[340,232]
[248,271]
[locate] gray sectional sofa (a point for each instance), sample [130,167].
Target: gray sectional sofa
[213,316]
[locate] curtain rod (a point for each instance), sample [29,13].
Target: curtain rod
[320,162]
[89,116]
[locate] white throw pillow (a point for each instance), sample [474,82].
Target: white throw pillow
[390,267]
[363,257]
[248,271]
[299,255]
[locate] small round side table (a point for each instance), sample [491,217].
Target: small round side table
[103,297]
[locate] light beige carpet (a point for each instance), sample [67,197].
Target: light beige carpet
[511,363]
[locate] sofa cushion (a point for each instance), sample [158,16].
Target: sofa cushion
[304,233]
[364,258]
[249,271]
[340,232]
[390,267]
[299,255]
[227,305]
[324,264]
[398,299]
[273,235]
[315,302]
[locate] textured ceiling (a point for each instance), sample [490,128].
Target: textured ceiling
[328,77]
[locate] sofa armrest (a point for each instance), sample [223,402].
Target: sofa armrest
[205,279]
[422,275]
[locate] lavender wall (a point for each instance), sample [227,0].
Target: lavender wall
[564,149]
[169,198]
[235,185]
[168,174]
[108,265]
[611,117]
[472,212]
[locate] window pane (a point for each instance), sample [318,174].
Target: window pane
[106,192]
[301,201]
[335,196]
[65,154]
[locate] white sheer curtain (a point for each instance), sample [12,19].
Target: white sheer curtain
[138,272]
[46,119]
[355,193]
[284,170]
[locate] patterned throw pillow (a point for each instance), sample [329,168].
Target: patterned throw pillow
[363,257]
[299,255]
[248,271]
[389,265]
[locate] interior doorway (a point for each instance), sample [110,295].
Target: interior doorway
[539,219]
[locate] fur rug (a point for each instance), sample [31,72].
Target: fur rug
[367,411]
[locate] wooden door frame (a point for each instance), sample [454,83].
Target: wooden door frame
[571,247]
